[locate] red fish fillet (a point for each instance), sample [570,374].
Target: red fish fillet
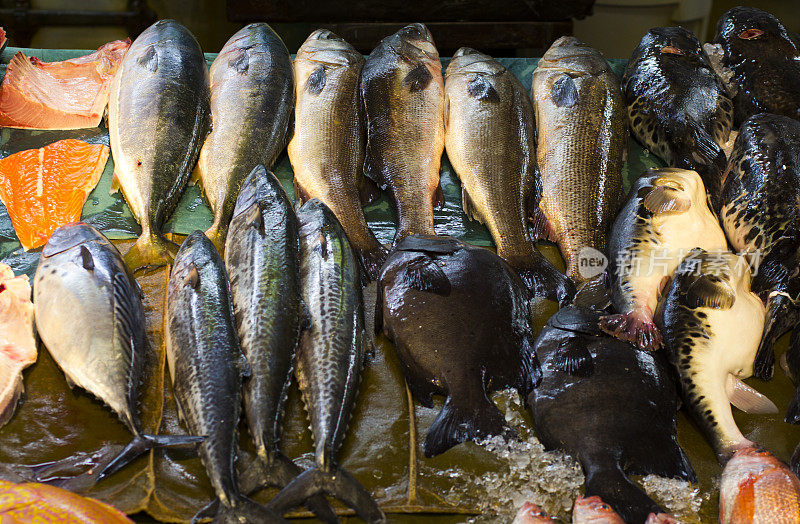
[59,95]
[45,188]
[17,345]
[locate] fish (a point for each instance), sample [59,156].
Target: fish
[592,510]
[158,117]
[761,60]
[429,281]
[711,322]
[586,376]
[665,215]
[34,502]
[327,149]
[759,212]
[677,106]
[44,189]
[490,141]
[403,93]
[252,96]
[757,487]
[17,344]
[207,367]
[3,39]
[71,94]
[89,315]
[329,359]
[530,513]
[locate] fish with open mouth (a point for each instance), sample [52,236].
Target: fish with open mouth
[403,93]
[711,323]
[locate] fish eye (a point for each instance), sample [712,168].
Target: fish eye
[750,34]
[672,50]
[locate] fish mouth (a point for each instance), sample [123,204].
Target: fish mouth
[465,51]
[416,33]
[69,236]
[325,34]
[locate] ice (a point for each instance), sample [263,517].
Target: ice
[679,497]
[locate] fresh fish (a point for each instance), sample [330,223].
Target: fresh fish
[757,487]
[761,58]
[592,510]
[17,345]
[677,106]
[158,117]
[664,217]
[530,513]
[262,261]
[760,212]
[207,367]
[403,93]
[490,139]
[327,149]
[89,315]
[580,117]
[711,322]
[329,359]
[427,283]
[252,96]
[587,377]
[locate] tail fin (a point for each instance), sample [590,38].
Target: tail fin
[543,279]
[150,251]
[337,483]
[141,444]
[456,424]
[635,327]
[217,235]
[616,489]
[372,260]
[241,509]
[278,472]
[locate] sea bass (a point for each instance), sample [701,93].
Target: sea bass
[90,316]
[665,216]
[327,149]
[677,106]
[711,322]
[582,136]
[252,96]
[490,140]
[329,359]
[158,117]
[207,366]
[403,93]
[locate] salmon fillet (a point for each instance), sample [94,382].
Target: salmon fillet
[59,95]
[17,345]
[45,188]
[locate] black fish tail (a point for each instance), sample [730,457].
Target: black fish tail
[140,445]
[457,423]
[662,456]
[617,490]
[241,509]
[278,471]
[543,279]
[338,483]
[372,260]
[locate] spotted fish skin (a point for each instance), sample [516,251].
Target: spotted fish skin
[677,106]
[711,323]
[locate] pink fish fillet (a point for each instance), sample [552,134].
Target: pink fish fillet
[17,345]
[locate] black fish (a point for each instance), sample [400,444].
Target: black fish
[459,319]
[611,406]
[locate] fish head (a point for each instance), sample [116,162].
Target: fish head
[315,219]
[681,183]
[674,44]
[593,510]
[530,513]
[69,236]
[571,56]
[196,252]
[751,32]
[324,47]
[468,61]
[261,190]
[414,43]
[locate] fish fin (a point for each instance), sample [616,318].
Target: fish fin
[435,244]
[663,457]
[699,151]
[418,78]
[241,509]
[337,483]
[593,293]
[368,191]
[240,62]
[617,490]
[316,81]
[543,279]
[372,260]
[709,291]
[149,59]
[86,258]
[438,197]
[540,227]
[635,327]
[278,472]
[780,309]
[746,398]
[192,279]
[150,251]
[573,358]
[301,196]
[142,444]
[115,185]
[469,207]
[576,320]
[423,274]
[530,374]
[456,424]
[480,88]
[564,91]
[663,199]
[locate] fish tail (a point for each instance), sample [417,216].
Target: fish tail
[277,470]
[140,445]
[337,483]
[456,424]
[372,260]
[617,490]
[635,327]
[240,509]
[543,279]
[150,250]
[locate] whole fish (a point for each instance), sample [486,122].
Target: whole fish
[403,93]
[677,106]
[252,96]
[665,216]
[207,366]
[329,359]
[761,60]
[757,487]
[490,140]
[158,117]
[711,322]
[89,314]
[587,378]
[327,149]
[582,136]
[759,210]
[426,283]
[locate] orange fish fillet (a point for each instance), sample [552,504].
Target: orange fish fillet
[41,503]
[59,95]
[45,188]
[17,345]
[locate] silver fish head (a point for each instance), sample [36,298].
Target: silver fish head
[468,61]
[72,235]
